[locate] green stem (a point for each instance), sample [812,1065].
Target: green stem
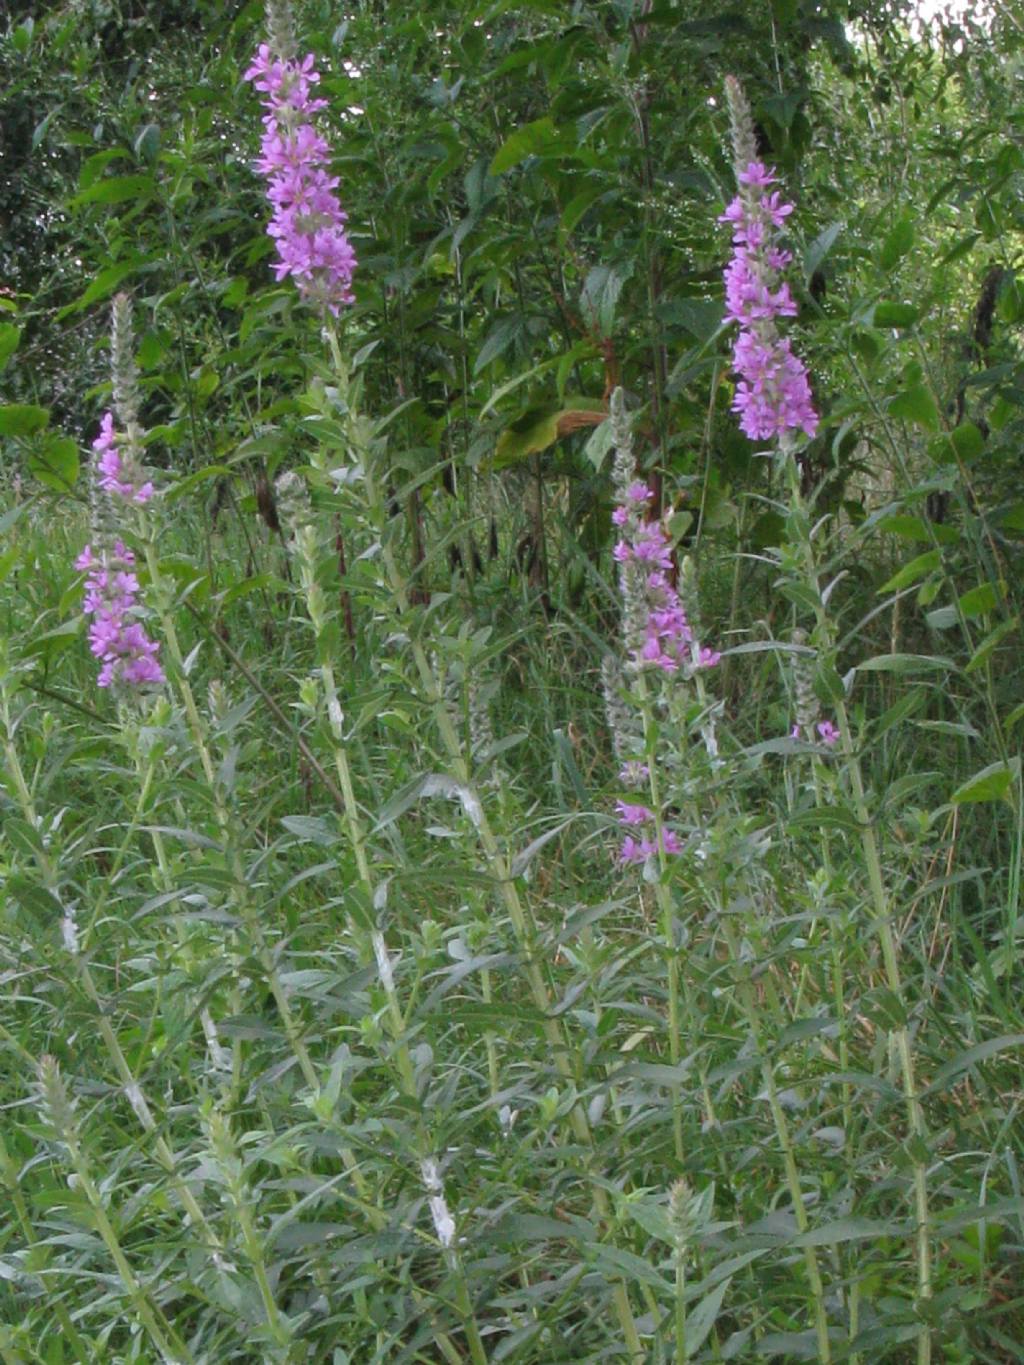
[498,867]
[796,1194]
[239,896]
[882,913]
[682,1353]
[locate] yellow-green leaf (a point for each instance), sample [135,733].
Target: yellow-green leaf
[990,784]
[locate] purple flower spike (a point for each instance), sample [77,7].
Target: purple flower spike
[308,222]
[116,638]
[633,814]
[757,173]
[115,474]
[773,395]
[639,850]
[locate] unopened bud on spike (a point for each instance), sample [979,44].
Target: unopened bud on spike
[741,123]
[123,371]
[281,30]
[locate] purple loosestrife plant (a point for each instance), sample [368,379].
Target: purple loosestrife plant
[117,473]
[117,637]
[308,222]
[774,402]
[773,395]
[119,640]
[658,633]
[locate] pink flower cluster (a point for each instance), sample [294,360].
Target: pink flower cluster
[645,556]
[636,850]
[773,396]
[126,652]
[115,474]
[308,223]
[826,731]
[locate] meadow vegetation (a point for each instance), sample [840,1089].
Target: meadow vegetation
[510,697]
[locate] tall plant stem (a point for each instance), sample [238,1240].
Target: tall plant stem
[838,987]
[496,862]
[682,1350]
[796,1194]
[519,918]
[357,838]
[663,897]
[374,946]
[882,914]
[239,895]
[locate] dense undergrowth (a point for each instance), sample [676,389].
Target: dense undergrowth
[475,947]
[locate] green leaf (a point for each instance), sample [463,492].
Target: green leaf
[539,136]
[147,143]
[941,618]
[505,389]
[991,784]
[311,829]
[917,529]
[501,335]
[180,487]
[907,704]
[101,287]
[981,1052]
[897,242]
[9,338]
[8,560]
[55,464]
[828,685]
[961,248]
[36,900]
[977,601]
[22,419]
[884,1008]
[823,817]
[702,1318]
[990,643]
[616,1262]
[599,296]
[535,1227]
[964,442]
[850,1229]
[820,247]
[534,431]
[653,1218]
[94,166]
[13,515]
[599,445]
[116,189]
[702,318]
[910,573]
[539,428]
[894,315]
[916,404]
[907,663]
[53,642]
[577,207]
